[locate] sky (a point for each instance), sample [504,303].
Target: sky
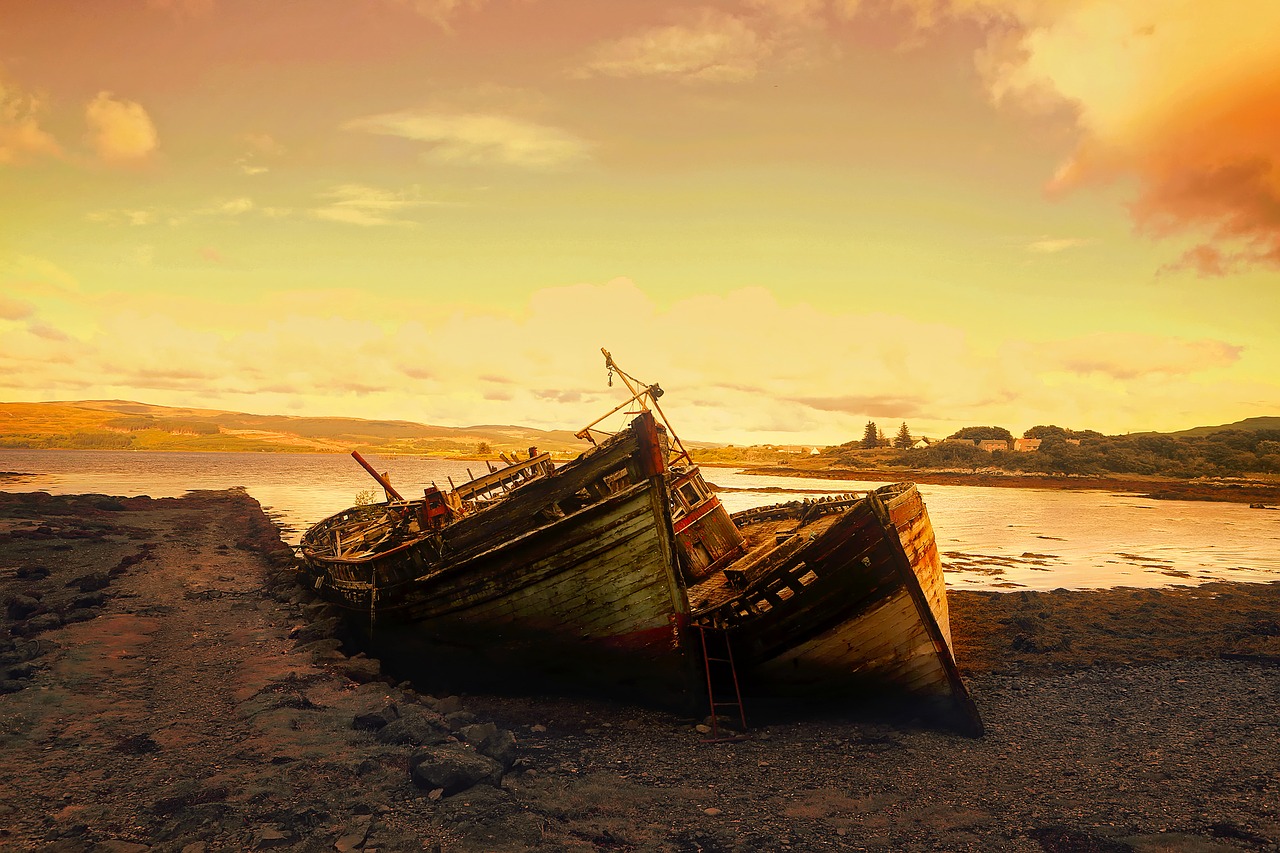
[795,215]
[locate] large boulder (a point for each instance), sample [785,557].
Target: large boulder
[453,767]
[416,726]
[488,739]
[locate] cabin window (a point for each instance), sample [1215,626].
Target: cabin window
[689,493]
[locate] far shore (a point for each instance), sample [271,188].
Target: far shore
[1250,491]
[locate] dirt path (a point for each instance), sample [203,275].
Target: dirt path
[165,687]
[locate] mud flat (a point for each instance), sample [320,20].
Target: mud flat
[167,686]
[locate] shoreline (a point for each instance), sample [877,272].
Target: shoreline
[167,686]
[1151,487]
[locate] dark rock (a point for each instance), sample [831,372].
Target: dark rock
[317,630]
[488,739]
[93,599]
[81,615]
[449,704]
[453,767]
[90,582]
[375,720]
[19,607]
[22,670]
[458,719]
[32,572]
[416,725]
[361,670]
[43,622]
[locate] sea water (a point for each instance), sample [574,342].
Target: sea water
[990,538]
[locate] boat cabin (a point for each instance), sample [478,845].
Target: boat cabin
[706,538]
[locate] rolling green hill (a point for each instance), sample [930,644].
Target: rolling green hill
[123,424]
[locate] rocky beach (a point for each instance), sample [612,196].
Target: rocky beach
[165,684]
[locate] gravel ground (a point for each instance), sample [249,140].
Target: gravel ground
[166,686]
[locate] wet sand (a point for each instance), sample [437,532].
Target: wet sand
[167,686]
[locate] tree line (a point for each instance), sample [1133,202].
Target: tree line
[1230,452]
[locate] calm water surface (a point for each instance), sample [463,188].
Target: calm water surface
[990,538]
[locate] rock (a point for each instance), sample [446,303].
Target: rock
[416,725]
[270,835]
[195,847]
[19,607]
[458,719]
[711,812]
[361,670]
[453,767]
[43,622]
[90,582]
[93,599]
[31,573]
[449,704]
[375,720]
[22,670]
[538,728]
[321,649]
[488,739]
[84,614]
[355,835]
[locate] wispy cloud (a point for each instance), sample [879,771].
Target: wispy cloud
[1053,245]
[358,204]
[479,139]
[1130,355]
[120,131]
[21,136]
[15,309]
[441,12]
[120,216]
[713,46]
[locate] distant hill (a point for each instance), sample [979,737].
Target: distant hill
[124,424]
[1248,425]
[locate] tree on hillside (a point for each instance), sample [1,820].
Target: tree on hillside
[483,448]
[870,435]
[903,439]
[1050,432]
[881,440]
[984,433]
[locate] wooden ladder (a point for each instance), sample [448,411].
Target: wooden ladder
[720,651]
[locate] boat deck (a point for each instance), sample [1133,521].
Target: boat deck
[761,539]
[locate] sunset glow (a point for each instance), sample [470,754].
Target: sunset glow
[797,215]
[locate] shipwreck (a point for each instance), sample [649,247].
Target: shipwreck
[622,570]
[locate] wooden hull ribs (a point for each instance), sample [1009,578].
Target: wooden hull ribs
[596,573]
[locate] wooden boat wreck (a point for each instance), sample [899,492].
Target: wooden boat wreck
[613,570]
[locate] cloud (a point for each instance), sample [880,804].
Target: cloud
[121,216]
[741,367]
[119,131]
[1182,99]
[712,47]
[882,406]
[480,138]
[212,255]
[358,204]
[440,12]
[259,146]
[21,137]
[1052,245]
[15,309]
[1130,356]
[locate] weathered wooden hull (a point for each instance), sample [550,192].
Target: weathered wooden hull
[859,609]
[588,597]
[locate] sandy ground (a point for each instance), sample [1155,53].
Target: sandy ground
[166,686]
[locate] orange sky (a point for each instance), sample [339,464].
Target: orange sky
[798,215]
